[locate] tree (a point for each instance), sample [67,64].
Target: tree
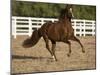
[39,9]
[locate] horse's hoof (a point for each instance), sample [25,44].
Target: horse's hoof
[83,51]
[68,55]
[54,58]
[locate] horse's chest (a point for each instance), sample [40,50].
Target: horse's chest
[66,32]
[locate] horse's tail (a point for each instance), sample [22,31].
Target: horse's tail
[32,40]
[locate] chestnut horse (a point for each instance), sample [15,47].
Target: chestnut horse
[60,31]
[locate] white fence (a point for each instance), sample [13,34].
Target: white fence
[25,25]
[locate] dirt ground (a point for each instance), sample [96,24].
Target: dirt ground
[38,59]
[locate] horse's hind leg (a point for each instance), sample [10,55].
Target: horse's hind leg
[76,39]
[68,42]
[53,49]
[47,44]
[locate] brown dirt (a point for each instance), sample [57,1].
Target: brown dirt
[38,59]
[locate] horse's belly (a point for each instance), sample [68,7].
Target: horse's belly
[54,34]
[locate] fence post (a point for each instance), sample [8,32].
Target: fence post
[74,27]
[15,27]
[80,29]
[93,28]
[30,26]
[53,20]
[84,28]
[42,22]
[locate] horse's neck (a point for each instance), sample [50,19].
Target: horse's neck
[66,20]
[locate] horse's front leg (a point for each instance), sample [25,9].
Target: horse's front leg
[53,49]
[77,40]
[69,44]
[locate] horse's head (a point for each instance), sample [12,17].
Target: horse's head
[69,11]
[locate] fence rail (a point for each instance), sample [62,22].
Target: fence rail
[25,25]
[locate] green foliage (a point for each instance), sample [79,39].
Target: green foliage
[38,9]
[85,12]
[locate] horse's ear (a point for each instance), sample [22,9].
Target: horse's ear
[69,6]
